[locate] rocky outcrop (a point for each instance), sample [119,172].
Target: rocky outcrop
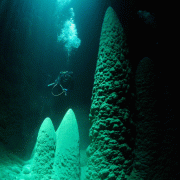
[56,154]
[67,155]
[148,139]
[43,160]
[110,150]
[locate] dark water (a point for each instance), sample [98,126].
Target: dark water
[31,58]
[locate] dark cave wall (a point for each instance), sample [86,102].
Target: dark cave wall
[156,144]
[148,126]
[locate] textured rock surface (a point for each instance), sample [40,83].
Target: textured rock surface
[110,151]
[67,156]
[155,148]
[55,156]
[147,123]
[43,160]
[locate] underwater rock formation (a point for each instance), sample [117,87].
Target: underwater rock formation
[43,160]
[110,151]
[56,155]
[67,155]
[148,126]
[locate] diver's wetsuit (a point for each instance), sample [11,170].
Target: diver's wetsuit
[65,80]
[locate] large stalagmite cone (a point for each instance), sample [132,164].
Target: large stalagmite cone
[67,157]
[110,151]
[43,158]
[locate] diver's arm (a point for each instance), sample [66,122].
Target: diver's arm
[51,84]
[55,82]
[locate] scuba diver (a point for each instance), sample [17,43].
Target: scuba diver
[65,81]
